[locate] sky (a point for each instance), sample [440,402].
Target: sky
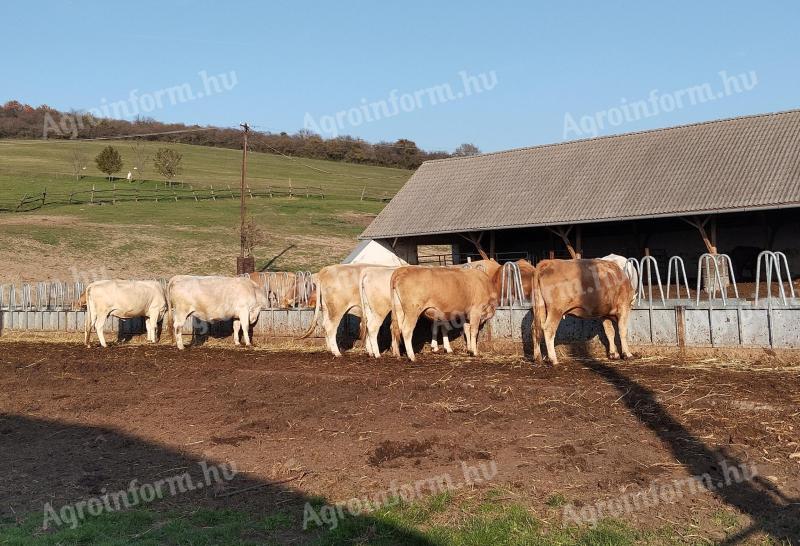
[499,74]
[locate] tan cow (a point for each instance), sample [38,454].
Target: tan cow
[583,289]
[213,299]
[376,304]
[337,295]
[123,299]
[443,294]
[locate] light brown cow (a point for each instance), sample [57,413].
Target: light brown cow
[337,295]
[443,294]
[583,289]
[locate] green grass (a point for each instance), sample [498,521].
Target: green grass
[164,238]
[30,166]
[437,520]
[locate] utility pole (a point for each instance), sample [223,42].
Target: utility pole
[244,263]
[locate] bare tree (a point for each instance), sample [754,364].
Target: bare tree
[140,159]
[78,160]
[253,236]
[466,149]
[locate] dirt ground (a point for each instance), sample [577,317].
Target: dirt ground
[77,421]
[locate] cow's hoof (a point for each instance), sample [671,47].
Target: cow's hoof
[629,356]
[613,356]
[449,351]
[435,350]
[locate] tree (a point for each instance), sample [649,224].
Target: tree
[466,149]
[140,158]
[109,161]
[168,163]
[253,236]
[78,161]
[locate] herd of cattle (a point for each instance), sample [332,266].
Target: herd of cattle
[452,297]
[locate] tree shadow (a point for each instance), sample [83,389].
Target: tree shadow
[60,464]
[771,511]
[266,266]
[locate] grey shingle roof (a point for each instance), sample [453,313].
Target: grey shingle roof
[734,164]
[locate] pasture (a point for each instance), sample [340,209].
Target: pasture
[149,239]
[303,427]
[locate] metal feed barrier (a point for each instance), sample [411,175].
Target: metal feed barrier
[656,318]
[772,262]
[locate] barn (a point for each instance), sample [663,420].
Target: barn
[729,186]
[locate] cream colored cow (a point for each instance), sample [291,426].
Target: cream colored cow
[123,299]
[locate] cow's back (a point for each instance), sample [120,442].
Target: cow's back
[597,286]
[213,298]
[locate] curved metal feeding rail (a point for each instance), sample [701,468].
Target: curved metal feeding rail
[680,269]
[652,265]
[707,259]
[772,262]
[511,290]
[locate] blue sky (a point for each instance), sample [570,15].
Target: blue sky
[299,63]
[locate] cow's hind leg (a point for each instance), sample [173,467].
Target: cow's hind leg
[622,326]
[236,325]
[179,319]
[608,328]
[99,325]
[87,334]
[244,324]
[331,326]
[549,329]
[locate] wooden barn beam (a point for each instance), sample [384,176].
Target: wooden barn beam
[564,235]
[710,240]
[476,240]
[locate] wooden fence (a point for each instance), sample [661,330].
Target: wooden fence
[30,202]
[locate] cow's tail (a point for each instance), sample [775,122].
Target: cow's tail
[317,307]
[169,319]
[362,330]
[537,306]
[397,311]
[87,319]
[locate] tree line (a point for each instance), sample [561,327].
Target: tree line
[18,120]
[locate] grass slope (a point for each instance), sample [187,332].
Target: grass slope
[143,240]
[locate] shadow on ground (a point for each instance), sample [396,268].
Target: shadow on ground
[769,509]
[62,464]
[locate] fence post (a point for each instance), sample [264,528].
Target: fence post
[291,190]
[212,193]
[24,197]
[91,200]
[44,196]
[364,189]
[114,193]
[157,194]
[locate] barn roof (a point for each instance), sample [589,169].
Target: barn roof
[726,165]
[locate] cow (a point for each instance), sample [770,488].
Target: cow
[284,289]
[213,299]
[376,304]
[629,270]
[123,299]
[443,294]
[337,294]
[582,288]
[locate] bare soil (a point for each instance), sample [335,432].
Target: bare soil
[78,421]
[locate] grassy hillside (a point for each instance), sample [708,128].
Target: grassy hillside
[157,239]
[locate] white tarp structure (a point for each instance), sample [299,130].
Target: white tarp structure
[372,252]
